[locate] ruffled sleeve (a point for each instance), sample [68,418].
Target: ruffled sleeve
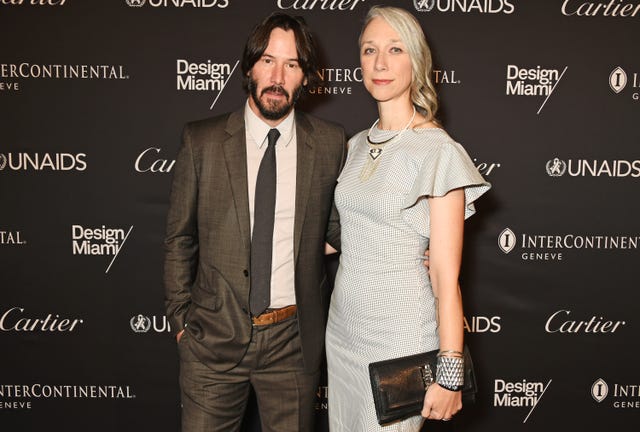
[443,167]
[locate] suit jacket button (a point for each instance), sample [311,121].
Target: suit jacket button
[245,272]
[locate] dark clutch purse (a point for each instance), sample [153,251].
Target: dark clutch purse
[399,384]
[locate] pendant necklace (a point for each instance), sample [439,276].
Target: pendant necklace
[375,149]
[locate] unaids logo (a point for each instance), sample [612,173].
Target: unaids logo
[424,5]
[23,161]
[464,6]
[607,168]
[556,167]
[599,390]
[617,79]
[143,324]
[140,323]
[179,3]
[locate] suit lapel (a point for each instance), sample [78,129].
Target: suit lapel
[235,154]
[304,174]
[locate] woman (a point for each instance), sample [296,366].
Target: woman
[406,186]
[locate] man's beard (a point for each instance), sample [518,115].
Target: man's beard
[274,111]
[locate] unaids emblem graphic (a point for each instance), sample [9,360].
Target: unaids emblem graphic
[3,161]
[599,390]
[136,3]
[424,5]
[618,79]
[140,323]
[556,167]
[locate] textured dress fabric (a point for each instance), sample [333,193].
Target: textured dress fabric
[382,305]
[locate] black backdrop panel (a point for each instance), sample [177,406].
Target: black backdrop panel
[544,96]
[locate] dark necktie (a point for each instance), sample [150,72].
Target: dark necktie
[262,238]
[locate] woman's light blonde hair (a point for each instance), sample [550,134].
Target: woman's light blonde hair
[423,93]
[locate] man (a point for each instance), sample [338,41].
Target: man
[224,237]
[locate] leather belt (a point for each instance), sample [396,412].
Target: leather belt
[272,316]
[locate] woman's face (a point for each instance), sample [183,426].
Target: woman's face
[385,61]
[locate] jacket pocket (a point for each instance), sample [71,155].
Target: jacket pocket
[205,291]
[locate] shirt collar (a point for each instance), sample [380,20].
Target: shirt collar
[258,129]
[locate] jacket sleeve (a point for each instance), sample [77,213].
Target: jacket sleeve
[333,227]
[181,240]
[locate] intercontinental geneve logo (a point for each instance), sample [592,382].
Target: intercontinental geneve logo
[617,79]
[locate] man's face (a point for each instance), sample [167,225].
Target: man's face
[276,79]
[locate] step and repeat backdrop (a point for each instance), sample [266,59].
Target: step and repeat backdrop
[544,95]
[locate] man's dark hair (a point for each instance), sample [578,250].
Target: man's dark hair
[305,46]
